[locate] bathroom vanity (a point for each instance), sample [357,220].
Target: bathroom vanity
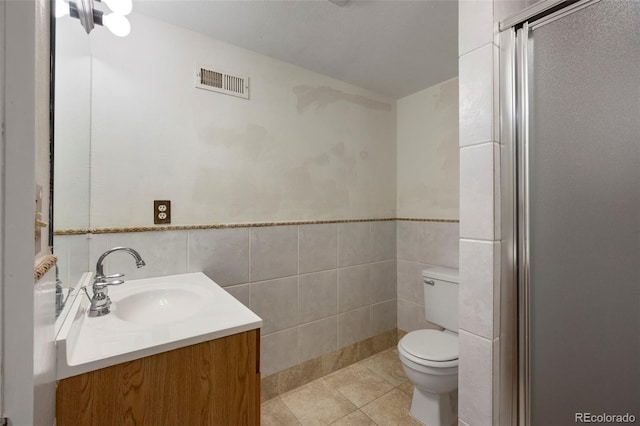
[175,350]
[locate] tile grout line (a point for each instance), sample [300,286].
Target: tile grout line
[336,390]
[290,410]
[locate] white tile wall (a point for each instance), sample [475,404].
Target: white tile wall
[276,302]
[477,189]
[278,351]
[165,253]
[420,245]
[480,303]
[308,312]
[382,280]
[354,326]
[410,237]
[410,285]
[476,96]
[318,247]
[354,243]
[78,259]
[223,253]
[318,295]
[434,243]
[383,317]
[440,244]
[475,378]
[411,316]
[240,292]
[274,252]
[317,338]
[383,240]
[382,290]
[479,296]
[354,288]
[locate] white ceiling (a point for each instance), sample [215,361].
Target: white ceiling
[392,47]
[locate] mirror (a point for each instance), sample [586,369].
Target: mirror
[72,129]
[72,141]
[315,140]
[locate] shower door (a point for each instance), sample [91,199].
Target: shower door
[576,191]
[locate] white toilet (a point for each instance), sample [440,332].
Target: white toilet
[430,357]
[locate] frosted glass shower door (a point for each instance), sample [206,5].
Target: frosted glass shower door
[584,214]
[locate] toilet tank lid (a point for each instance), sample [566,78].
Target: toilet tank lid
[440,273]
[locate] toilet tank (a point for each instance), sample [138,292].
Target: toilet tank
[441,297]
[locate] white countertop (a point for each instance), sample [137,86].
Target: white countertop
[86,344]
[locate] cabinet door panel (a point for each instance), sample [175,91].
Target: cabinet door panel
[211,383]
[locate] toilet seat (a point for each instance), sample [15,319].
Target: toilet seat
[431,348]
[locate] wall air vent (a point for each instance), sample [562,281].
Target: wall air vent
[218,81]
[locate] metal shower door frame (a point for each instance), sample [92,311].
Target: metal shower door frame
[515,88]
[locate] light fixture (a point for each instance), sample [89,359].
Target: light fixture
[120,7]
[89,17]
[62,8]
[117,24]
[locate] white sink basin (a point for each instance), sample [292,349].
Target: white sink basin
[148,316]
[159,305]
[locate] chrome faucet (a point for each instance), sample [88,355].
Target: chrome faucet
[100,302]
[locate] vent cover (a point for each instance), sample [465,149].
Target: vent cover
[218,81]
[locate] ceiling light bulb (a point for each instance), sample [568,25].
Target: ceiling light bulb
[120,7]
[62,8]
[117,24]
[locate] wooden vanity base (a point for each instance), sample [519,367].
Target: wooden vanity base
[211,383]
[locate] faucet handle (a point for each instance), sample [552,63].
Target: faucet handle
[101,285]
[114,276]
[84,287]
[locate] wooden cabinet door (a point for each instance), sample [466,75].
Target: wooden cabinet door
[213,383]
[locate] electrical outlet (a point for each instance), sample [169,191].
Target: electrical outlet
[161,212]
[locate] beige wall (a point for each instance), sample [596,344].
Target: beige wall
[427,159]
[316,148]
[72,130]
[303,147]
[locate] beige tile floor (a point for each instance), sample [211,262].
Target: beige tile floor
[374,391]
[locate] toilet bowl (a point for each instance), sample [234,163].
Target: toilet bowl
[430,357]
[434,380]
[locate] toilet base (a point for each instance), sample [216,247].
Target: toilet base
[433,409]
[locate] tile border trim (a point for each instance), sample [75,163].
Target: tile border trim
[43,266]
[125,229]
[410,219]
